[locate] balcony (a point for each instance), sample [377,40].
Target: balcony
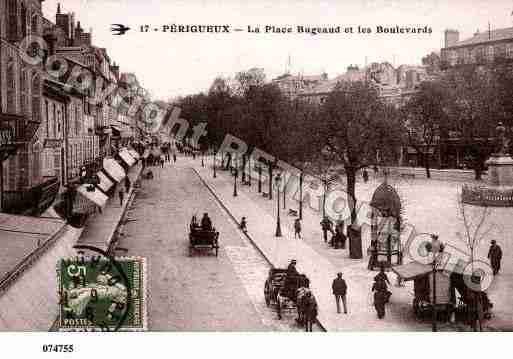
[23,129]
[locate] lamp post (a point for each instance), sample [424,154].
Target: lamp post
[325,184]
[215,153]
[278,226]
[259,178]
[301,195]
[202,158]
[235,175]
[249,171]
[284,194]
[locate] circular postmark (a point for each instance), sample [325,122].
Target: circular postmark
[96,293]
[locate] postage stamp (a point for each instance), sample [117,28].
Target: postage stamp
[99,294]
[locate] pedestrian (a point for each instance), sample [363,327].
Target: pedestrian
[162,160]
[380,297]
[297,228]
[495,257]
[121,194]
[339,287]
[326,226]
[311,311]
[382,276]
[365,175]
[373,258]
[174,157]
[243,225]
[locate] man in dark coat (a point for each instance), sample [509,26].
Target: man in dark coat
[495,257]
[380,297]
[291,269]
[206,223]
[291,279]
[339,287]
[382,276]
[326,226]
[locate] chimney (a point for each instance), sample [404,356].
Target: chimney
[451,37]
[58,8]
[51,40]
[115,70]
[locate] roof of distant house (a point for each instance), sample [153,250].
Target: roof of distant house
[487,36]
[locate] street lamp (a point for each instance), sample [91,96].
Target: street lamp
[301,195]
[278,226]
[249,171]
[235,175]
[259,178]
[215,153]
[324,180]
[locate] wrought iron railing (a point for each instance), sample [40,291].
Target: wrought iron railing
[487,196]
[23,128]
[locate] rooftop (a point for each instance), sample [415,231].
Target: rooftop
[19,237]
[487,36]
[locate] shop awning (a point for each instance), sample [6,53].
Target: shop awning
[105,183]
[126,157]
[95,196]
[134,154]
[412,270]
[114,169]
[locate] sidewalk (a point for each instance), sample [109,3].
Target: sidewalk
[100,229]
[321,270]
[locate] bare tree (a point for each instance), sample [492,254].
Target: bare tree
[475,225]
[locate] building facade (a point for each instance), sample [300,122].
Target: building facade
[482,48]
[60,109]
[394,85]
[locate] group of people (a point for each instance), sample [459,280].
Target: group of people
[338,238]
[379,288]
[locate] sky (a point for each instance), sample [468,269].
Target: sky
[177,64]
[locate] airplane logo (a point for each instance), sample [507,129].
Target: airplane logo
[119,29]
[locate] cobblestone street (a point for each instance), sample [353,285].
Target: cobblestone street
[202,292]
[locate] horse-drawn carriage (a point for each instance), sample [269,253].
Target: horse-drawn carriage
[286,292]
[454,297]
[203,239]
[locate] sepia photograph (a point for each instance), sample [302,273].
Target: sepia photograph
[285,166]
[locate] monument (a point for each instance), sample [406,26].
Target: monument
[498,191]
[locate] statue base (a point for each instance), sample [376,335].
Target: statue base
[498,192]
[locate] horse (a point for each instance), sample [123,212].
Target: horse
[288,293]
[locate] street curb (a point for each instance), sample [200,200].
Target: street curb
[128,202]
[245,233]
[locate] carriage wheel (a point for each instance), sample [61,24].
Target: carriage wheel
[267,293]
